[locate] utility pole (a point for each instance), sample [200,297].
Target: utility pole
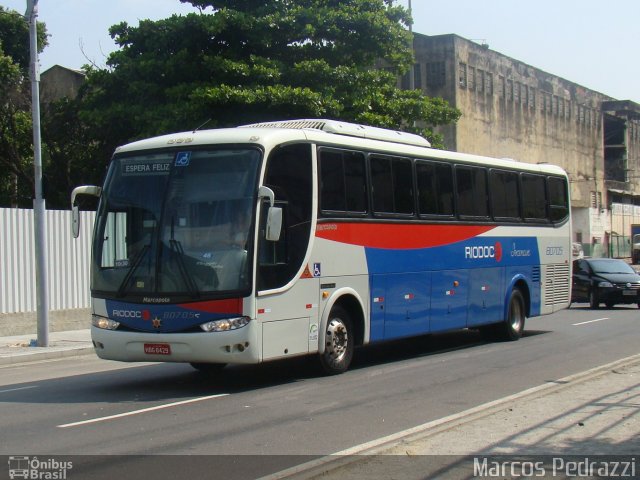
[412,73]
[39,209]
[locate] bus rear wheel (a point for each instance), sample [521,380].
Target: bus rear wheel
[512,326]
[339,342]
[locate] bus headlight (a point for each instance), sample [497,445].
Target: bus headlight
[225,324]
[104,323]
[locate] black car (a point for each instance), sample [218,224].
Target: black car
[604,280]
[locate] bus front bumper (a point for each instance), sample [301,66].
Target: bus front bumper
[235,346]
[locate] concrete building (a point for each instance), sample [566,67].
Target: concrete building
[60,82]
[511,109]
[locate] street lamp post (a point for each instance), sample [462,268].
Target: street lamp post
[412,73]
[42,291]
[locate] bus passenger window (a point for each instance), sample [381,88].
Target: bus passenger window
[505,196]
[471,187]
[392,180]
[342,181]
[534,197]
[435,188]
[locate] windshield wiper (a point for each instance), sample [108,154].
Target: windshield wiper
[186,276]
[136,263]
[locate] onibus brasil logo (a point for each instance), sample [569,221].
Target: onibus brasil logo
[38,469]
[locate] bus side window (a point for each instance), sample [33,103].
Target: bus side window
[289,176]
[558,199]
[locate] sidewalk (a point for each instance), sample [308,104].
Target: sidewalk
[593,415]
[23,348]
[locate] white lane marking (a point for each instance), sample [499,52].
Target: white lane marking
[16,389]
[591,321]
[143,410]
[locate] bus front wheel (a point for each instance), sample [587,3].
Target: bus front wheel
[339,342]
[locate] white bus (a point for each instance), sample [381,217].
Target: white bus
[290,238]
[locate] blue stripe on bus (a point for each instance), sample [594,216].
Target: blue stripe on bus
[460,285]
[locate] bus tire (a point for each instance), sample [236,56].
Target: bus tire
[339,342]
[512,327]
[209,368]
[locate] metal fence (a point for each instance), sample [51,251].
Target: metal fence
[68,260]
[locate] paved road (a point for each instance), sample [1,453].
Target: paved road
[87,406]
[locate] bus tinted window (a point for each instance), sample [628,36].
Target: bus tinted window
[435,188]
[505,196]
[471,186]
[534,198]
[392,183]
[342,176]
[558,199]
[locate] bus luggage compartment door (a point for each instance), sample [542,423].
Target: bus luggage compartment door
[399,305]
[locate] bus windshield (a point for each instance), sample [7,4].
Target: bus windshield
[176,224]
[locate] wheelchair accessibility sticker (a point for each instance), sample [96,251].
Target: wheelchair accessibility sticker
[183,159]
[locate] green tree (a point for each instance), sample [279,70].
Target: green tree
[16,151]
[240,61]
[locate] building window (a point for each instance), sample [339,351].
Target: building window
[554,100]
[509,90]
[501,86]
[417,76]
[480,81]
[532,98]
[488,83]
[436,75]
[472,78]
[462,75]
[516,92]
[525,95]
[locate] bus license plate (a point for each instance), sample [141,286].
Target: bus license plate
[157,348]
[629,292]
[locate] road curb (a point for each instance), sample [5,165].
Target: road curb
[346,457]
[29,357]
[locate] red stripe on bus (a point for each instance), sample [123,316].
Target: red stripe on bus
[393,236]
[230,305]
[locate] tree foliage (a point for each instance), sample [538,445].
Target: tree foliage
[16,152]
[241,61]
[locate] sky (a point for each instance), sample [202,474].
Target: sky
[588,42]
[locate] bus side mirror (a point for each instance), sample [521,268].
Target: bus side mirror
[274,224]
[274,215]
[75,210]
